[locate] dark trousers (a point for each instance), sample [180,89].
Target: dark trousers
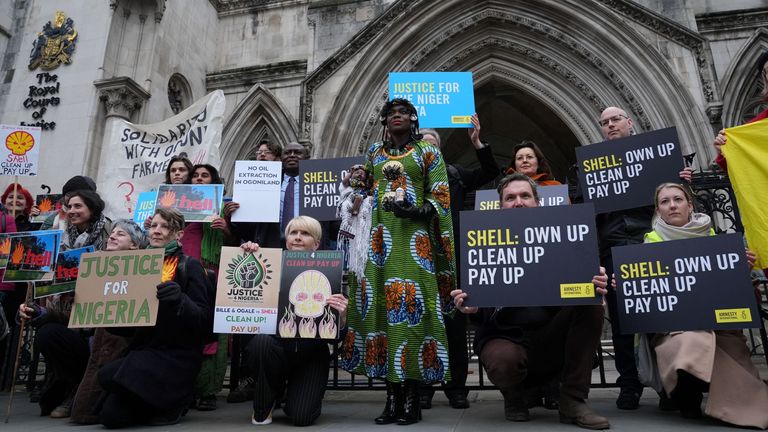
[458,358]
[66,354]
[120,407]
[623,344]
[563,348]
[300,375]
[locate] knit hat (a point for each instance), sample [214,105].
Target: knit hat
[77,183]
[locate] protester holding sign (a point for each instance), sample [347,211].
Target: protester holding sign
[460,182]
[20,204]
[410,271]
[528,159]
[154,382]
[621,228]
[203,241]
[296,368]
[524,347]
[105,346]
[691,362]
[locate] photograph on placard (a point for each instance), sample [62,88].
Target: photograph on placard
[198,203]
[65,276]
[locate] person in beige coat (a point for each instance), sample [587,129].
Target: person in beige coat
[693,362]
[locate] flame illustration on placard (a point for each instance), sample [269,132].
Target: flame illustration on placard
[45,205]
[169,268]
[18,254]
[287,326]
[327,328]
[307,328]
[168,199]
[5,246]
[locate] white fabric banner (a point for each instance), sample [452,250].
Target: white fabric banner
[137,156]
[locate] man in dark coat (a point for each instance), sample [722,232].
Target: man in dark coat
[461,181]
[153,383]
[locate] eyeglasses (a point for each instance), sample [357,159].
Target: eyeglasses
[614,119]
[263,153]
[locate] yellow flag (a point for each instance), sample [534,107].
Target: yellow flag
[746,151]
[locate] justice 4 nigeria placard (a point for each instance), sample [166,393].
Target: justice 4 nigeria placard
[247,291]
[623,173]
[542,256]
[308,280]
[488,199]
[319,181]
[119,289]
[441,99]
[693,284]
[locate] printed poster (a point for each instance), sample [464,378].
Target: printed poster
[308,280]
[145,207]
[441,99]
[257,190]
[198,203]
[65,276]
[117,289]
[247,291]
[49,204]
[319,183]
[20,151]
[554,195]
[32,256]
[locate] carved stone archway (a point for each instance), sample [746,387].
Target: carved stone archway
[575,57]
[741,82]
[258,115]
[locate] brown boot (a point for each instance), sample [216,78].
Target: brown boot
[576,411]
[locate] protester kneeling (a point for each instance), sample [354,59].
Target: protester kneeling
[525,347]
[153,383]
[296,368]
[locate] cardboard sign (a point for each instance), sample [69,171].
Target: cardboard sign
[48,204]
[623,173]
[257,190]
[543,256]
[488,199]
[694,284]
[117,289]
[32,256]
[20,150]
[145,207]
[65,276]
[247,291]
[308,280]
[198,203]
[319,181]
[441,99]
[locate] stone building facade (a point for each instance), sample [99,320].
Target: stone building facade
[315,71]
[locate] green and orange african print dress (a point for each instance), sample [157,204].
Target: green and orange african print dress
[395,314]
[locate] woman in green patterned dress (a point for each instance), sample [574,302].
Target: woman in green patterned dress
[396,329]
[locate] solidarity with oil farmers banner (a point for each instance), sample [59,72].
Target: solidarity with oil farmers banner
[308,280]
[694,284]
[623,173]
[117,289]
[137,156]
[539,256]
[247,291]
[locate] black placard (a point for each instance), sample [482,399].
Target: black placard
[694,284]
[319,181]
[488,199]
[308,278]
[623,173]
[529,256]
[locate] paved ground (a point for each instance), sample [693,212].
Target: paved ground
[355,410]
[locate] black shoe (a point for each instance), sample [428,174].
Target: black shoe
[690,404]
[393,408]
[425,401]
[458,401]
[411,405]
[666,403]
[243,392]
[167,418]
[207,403]
[629,399]
[515,406]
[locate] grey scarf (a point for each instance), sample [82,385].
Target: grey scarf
[698,226]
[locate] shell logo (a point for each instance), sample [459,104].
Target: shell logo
[19,142]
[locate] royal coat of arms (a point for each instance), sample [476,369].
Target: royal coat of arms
[54,45]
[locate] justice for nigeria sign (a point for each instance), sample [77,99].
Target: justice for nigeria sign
[442,99]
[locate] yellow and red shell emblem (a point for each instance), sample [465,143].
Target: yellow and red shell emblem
[19,142]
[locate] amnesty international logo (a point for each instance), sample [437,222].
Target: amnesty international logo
[54,45]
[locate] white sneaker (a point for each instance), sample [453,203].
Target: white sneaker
[266,421]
